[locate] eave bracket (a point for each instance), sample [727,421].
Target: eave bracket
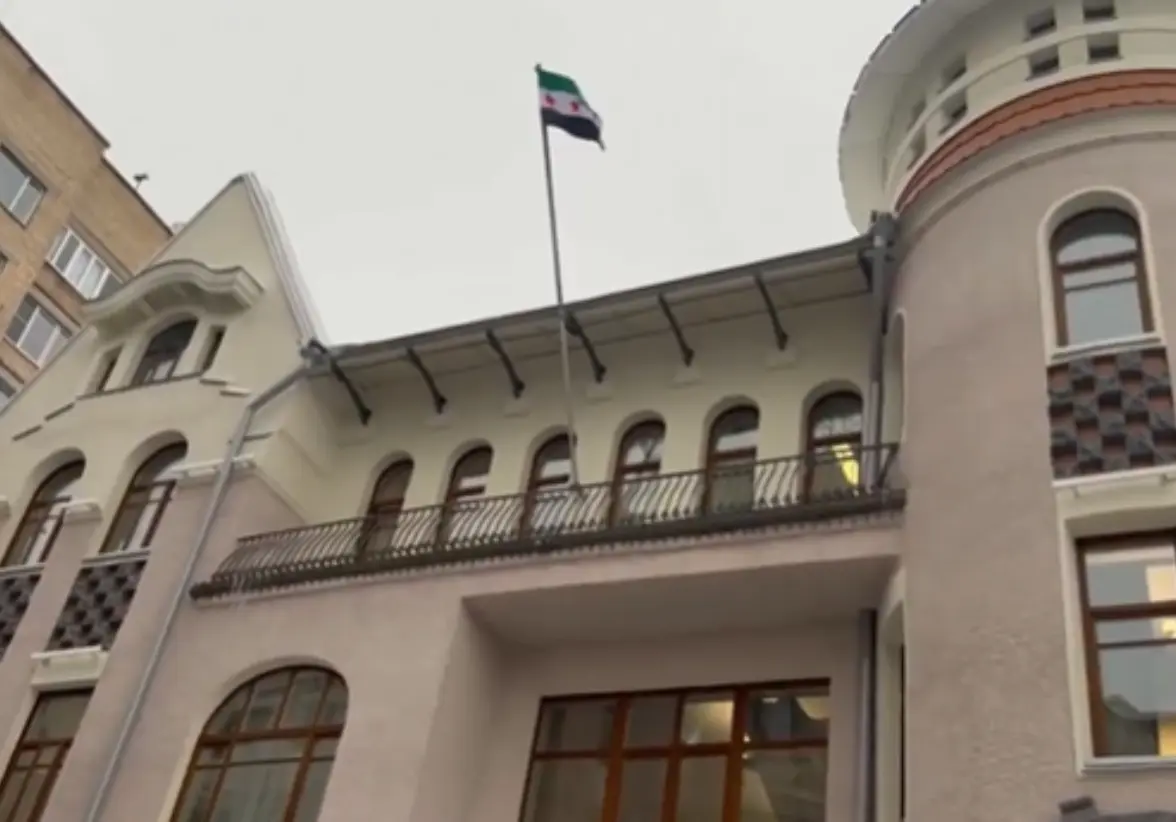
[439,399]
[684,349]
[316,350]
[576,330]
[773,315]
[517,386]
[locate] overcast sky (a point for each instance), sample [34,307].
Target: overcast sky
[401,139]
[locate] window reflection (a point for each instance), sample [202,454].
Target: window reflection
[834,445]
[731,456]
[635,490]
[38,528]
[546,504]
[467,483]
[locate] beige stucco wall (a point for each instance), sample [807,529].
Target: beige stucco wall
[995,702]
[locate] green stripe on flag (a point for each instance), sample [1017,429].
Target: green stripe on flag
[550,81]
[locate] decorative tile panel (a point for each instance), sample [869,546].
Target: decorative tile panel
[1111,412]
[97,604]
[16,590]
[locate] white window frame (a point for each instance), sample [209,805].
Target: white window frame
[59,336]
[29,182]
[96,272]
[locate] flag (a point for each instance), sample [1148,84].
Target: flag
[563,106]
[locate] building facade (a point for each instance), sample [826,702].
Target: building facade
[870,532]
[71,227]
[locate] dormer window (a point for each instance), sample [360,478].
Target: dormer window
[163,353]
[80,265]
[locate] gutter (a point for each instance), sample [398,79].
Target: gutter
[866,788]
[219,489]
[883,232]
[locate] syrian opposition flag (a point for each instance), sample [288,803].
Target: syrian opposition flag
[563,106]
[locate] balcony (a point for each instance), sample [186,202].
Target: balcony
[770,493]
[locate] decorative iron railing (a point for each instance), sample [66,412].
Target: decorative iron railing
[814,486]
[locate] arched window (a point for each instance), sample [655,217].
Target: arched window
[41,522]
[162,355]
[467,482]
[834,444]
[385,505]
[638,463]
[266,753]
[137,519]
[730,460]
[1100,287]
[551,474]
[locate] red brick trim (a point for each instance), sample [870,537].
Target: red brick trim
[1048,105]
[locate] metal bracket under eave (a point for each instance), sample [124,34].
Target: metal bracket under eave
[316,350]
[773,314]
[576,330]
[439,400]
[517,386]
[684,348]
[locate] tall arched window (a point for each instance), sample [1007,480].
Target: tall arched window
[638,463]
[467,482]
[144,503]
[265,755]
[162,355]
[385,505]
[41,522]
[834,444]
[1100,287]
[730,460]
[551,474]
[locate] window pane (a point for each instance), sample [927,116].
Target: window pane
[198,797]
[37,337]
[1139,700]
[10,792]
[57,717]
[650,721]
[313,788]
[1102,275]
[1123,631]
[783,786]
[268,694]
[643,787]
[580,725]
[736,430]
[267,750]
[565,790]
[38,783]
[303,702]
[787,715]
[837,416]
[255,793]
[700,789]
[1103,313]
[1130,576]
[708,718]
[28,200]
[1095,234]
[334,707]
[12,182]
[643,444]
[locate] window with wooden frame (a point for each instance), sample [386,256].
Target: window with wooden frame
[550,477]
[145,502]
[162,356]
[738,754]
[266,753]
[729,482]
[635,488]
[1100,284]
[467,482]
[834,447]
[36,761]
[385,505]
[1128,588]
[41,523]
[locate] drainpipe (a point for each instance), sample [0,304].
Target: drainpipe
[220,486]
[883,232]
[868,717]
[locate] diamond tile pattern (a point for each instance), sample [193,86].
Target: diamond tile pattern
[15,593]
[97,604]
[1111,412]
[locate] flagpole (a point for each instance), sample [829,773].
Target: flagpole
[557,270]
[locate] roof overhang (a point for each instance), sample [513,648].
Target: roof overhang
[168,286]
[870,109]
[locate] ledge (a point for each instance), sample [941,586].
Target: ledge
[170,285]
[81,510]
[200,473]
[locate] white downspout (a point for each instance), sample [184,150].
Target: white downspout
[220,486]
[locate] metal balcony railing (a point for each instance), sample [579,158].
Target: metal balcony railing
[803,488]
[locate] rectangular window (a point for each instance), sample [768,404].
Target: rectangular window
[8,387]
[1040,24]
[678,755]
[216,336]
[79,264]
[955,71]
[1102,48]
[20,191]
[36,332]
[1094,11]
[1044,62]
[39,754]
[1129,598]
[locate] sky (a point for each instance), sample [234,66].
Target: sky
[401,140]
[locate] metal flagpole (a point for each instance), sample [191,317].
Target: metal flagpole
[564,355]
